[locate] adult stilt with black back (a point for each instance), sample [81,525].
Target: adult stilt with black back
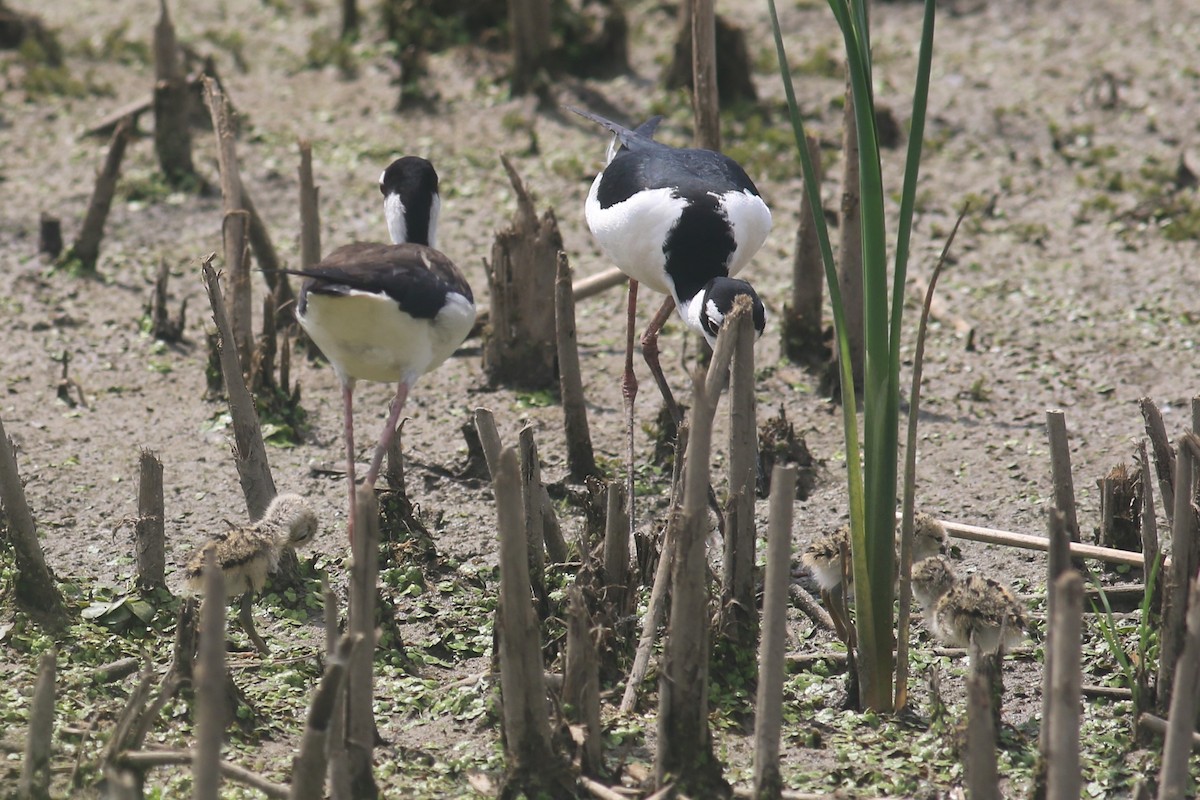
[388,312]
[683,221]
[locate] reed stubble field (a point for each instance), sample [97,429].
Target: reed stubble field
[1063,125]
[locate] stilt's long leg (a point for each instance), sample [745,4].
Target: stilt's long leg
[348,417]
[246,619]
[650,353]
[629,388]
[389,430]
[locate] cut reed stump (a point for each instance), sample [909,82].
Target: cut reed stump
[529,27]
[1060,469]
[533,765]
[617,574]
[36,592]
[149,529]
[1164,456]
[211,700]
[519,344]
[768,720]
[309,765]
[86,249]
[706,106]
[310,227]
[982,776]
[50,241]
[581,685]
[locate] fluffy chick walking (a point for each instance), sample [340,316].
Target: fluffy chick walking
[246,555]
[976,607]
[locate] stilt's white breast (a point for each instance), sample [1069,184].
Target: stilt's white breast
[632,233]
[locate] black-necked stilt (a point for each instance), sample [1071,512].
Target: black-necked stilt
[682,221]
[383,312]
[246,555]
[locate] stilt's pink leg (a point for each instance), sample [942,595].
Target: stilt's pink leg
[650,353]
[389,430]
[629,388]
[348,416]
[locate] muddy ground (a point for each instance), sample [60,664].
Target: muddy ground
[1062,123]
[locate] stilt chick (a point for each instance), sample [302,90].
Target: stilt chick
[976,606]
[246,555]
[823,558]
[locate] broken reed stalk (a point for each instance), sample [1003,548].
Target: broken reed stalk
[35,769]
[145,759]
[684,754]
[527,739]
[1025,541]
[310,227]
[35,588]
[360,688]
[1150,546]
[801,328]
[705,101]
[768,721]
[1173,775]
[581,682]
[1060,468]
[982,777]
[235,224]
[1063,779]
[50,240]
[249,452]
[739,610]
[149,529]
[1164,457]
[162,326]
[489,438]
[1182,568]
[86,249]
[581,460]
[909,495]
[335,744]
[309,764]
[616,551]
[529,26]
[211,702]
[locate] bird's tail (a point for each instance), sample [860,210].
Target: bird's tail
[628,138]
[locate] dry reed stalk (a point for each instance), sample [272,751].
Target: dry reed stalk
[1184,548]
[1180,734]
[211,702]
[1058,543]
[335,740]
[86,248]
[581,460]
[1164,457]
[801,328]
[706,107]
[310,226]
[768,782]
[235,224]
[309,764]
[616,550]
[581,682]
[1155,724]
[34,782]
[1060,468]
[249,452]
[1150,547]
[541,522]
[172,105]
[529,749]
[149,530]
[1063,779]
[739,617]
[360,686]
[982,777]
[35,588]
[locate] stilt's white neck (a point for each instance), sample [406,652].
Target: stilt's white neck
[398,221]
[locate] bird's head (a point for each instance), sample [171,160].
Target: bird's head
[716,301]
[292,513]
[411,202]
[933,577]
